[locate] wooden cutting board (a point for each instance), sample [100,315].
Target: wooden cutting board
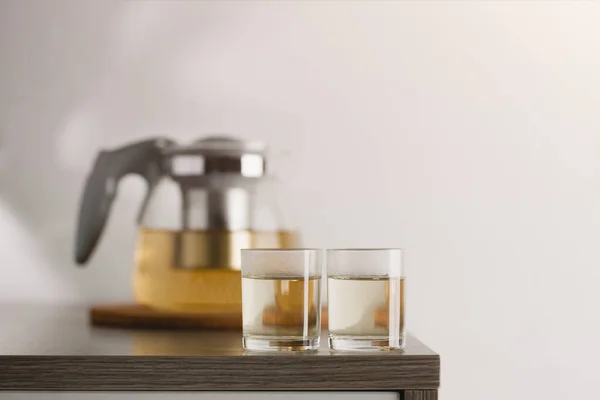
[139,316]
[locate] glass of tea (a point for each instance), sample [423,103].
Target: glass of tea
[281,299]
[365,292]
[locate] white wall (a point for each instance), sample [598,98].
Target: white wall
[466,132]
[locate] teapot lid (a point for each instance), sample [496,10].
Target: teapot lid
[219,153]
[219,145]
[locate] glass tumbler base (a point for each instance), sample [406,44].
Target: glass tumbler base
[271,343]
[365,343]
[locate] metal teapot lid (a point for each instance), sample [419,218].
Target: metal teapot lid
[220,145]
[218,154]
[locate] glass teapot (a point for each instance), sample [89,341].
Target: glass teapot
[205,202]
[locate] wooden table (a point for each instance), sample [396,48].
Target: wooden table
[55,348]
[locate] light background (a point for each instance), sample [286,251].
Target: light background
[466,132]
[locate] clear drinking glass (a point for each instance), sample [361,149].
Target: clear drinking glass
[281,299]
[365,291]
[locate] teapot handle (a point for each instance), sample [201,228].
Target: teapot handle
[142,158]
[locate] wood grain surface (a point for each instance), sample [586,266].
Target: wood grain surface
[52,348]
[139,316]
[420,395]
[216,373]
